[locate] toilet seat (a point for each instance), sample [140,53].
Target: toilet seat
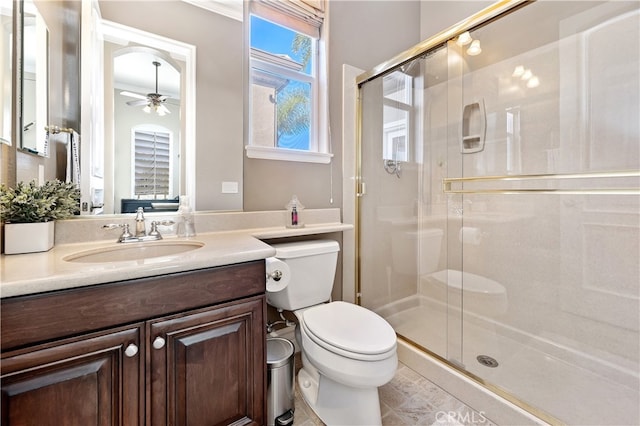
[366,337]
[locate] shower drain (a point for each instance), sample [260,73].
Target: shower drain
[487,361]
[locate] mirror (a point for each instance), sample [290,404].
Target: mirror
[6,40]
[34,105]
[150,111]
[206,104]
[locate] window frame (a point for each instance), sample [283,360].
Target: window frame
[319,145]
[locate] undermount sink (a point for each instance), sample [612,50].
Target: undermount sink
[137,251]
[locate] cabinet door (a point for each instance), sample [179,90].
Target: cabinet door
[208,367]
[95,380]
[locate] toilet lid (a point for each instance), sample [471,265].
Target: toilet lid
[350,327]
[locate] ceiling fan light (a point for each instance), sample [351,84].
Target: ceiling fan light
[154,100]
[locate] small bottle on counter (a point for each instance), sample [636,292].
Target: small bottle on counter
[294,213]
[186,222]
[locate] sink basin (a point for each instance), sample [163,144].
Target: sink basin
[133,251]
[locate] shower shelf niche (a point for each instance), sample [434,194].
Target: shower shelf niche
[474,125]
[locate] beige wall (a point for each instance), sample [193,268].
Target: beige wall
[362,34]
[436,16]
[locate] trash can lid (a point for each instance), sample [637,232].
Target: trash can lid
[279,351]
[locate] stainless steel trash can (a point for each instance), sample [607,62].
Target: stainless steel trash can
[280,381]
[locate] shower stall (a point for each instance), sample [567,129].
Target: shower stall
[499,204]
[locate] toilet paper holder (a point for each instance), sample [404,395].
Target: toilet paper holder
[275,275]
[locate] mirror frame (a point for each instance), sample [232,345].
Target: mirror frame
[17,75]
[7,121]
[20,91]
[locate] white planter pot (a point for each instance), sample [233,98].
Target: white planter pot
[28,237]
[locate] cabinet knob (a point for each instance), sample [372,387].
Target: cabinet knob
[158,343]
[131,350]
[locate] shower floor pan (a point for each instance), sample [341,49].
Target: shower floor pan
[574,387]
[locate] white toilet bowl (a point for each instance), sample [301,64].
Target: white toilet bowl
[348,352]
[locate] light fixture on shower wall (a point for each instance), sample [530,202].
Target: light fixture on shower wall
[465,39]
[474,49]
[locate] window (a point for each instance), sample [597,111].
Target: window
[152,164]
[287,79]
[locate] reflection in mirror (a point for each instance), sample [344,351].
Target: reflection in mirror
[146,125]
[149,81]
[35,80]
[6,40]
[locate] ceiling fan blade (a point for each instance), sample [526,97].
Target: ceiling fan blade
[133,95]
[138,103]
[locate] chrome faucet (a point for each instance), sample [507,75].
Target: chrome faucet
[141,229]
[141,232]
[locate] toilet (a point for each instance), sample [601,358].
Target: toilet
[482,295]
[347,351]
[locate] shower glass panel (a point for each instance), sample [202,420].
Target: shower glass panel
[500,227]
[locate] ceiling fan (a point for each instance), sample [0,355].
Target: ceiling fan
[153,101]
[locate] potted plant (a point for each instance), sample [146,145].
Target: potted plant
[29,212]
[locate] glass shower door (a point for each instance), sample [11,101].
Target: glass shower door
[403,212]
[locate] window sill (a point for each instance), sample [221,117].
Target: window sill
[269,153]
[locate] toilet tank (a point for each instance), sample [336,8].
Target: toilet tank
[416,252]
[312,268]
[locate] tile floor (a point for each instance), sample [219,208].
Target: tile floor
[408,400]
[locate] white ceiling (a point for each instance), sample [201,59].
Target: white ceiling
[135,72]
[229,8]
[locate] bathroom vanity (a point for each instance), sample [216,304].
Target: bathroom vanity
[185,348]
[164,340]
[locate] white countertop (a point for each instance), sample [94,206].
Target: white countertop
[47,271]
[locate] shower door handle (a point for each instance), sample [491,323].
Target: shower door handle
[361,190]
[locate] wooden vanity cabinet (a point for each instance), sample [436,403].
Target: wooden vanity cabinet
[86,381]
[181,349]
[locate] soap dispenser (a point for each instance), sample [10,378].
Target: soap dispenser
[294,213]
[186,222]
